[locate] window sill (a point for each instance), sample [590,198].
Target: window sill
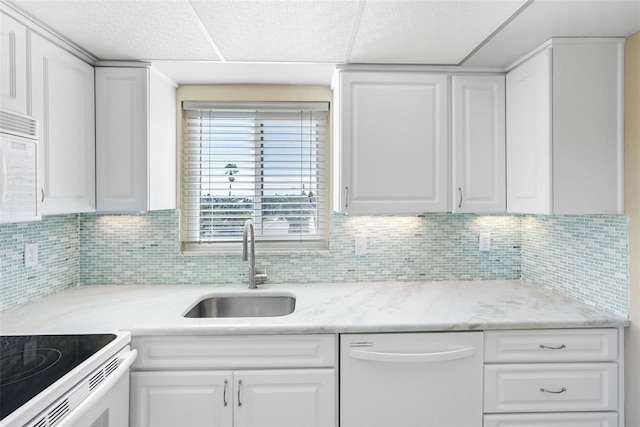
[227,251]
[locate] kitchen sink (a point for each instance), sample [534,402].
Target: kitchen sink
[244,306]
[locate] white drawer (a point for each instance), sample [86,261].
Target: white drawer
[561,345]
[551,387]
[586,419]
[235,352]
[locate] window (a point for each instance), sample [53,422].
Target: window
[265,161]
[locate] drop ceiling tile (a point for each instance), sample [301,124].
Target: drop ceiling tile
[127,29]
[426,32]
[545,19]
[280,31]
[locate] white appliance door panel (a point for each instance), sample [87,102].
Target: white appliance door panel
[18,180]
[108,404]
[413,379]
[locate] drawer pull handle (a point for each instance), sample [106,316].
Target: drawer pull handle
[562,390]
[239,388]
[553,348]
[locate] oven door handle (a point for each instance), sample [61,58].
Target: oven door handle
[101,391]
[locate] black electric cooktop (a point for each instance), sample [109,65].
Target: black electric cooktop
[31,363]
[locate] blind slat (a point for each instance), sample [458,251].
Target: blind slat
[270,164]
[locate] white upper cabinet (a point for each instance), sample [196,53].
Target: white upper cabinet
[391,151]
[63,102]
[13,65]
[564,129]
[478,143]
[135,140]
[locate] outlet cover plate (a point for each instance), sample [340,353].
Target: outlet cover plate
[360,245]
[30,254]
[484,242]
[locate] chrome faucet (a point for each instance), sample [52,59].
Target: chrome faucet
[250,255]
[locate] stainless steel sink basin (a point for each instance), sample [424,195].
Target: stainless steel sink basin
[244,306]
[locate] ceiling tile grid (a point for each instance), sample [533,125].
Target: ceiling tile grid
[126,29]
[279,31]
[474,33]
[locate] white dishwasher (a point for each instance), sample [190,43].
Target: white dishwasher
[411,379]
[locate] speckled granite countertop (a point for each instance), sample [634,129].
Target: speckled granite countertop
[320,308]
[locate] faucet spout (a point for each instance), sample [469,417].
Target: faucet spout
[249,252]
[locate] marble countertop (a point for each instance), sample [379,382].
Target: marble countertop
[320,308]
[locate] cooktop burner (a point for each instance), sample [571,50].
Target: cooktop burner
[31,363]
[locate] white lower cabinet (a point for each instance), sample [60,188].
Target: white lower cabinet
[181,398]
[552,378]
[209,381]
[282,398]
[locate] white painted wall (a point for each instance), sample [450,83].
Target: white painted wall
[632,206]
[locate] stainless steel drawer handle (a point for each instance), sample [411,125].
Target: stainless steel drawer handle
[224,394]
[239,388]
[460,202]
[553,348]
[544,390]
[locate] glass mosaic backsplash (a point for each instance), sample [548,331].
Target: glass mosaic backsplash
[145,249]
[58,259]
[582,256]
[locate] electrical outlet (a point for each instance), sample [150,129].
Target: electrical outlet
[484,242]
[30,254]
[361,245]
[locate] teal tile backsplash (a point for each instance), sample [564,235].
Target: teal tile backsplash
[58,259]
[145,249]
[584,257]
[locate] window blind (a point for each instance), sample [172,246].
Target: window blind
[264,161]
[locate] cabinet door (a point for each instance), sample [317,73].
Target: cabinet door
[478,142]
[122,139]
[529,136]
[181,398]
[393,143]
[285,398]
[13,63]
[63,102]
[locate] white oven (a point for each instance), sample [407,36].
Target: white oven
[84,380]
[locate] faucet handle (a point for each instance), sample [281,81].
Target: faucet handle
[261,277]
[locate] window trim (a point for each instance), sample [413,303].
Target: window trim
[250,94]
